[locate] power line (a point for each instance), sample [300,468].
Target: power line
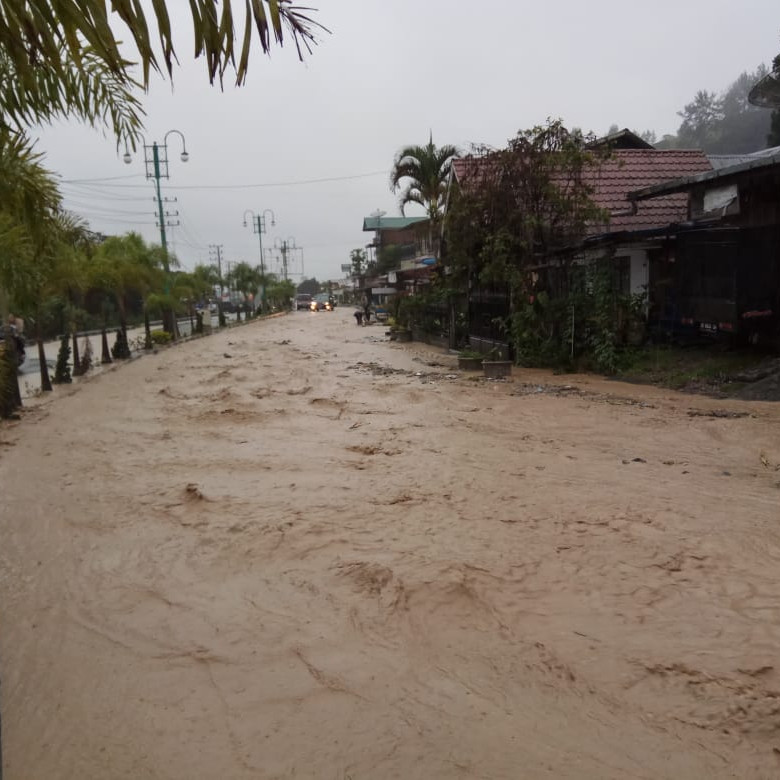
[87,191]
[105,178]
[119,220]
[75,204]
[279,183]
[294,183]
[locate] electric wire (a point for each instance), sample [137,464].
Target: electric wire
[102,195]
[292,183]
[75,204]
[104,178]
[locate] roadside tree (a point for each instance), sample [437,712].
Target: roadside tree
[246,279]
[422,173]
[512,226]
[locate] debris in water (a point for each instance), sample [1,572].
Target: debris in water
[194,493]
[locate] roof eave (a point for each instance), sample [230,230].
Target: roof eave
[686,182]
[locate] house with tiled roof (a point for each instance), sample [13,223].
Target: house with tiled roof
[638,235]
[399,255]
[632,229]
[724,274]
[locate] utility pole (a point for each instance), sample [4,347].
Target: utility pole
[156,162]
[288,245]
[215,252]
[259,227]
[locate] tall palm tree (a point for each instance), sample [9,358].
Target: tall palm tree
[425,171]
[33,34]
[29,202]
[123,265]
[81,85]
[246,279]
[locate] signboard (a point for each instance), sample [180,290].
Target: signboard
[720,197]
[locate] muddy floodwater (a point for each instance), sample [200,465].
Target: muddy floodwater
[297,550]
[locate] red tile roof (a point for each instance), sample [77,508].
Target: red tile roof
[628,170]
[632,169]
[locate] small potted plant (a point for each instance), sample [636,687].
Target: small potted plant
[495,367]
[469,360]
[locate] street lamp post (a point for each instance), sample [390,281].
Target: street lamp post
[156,163]
[259,227]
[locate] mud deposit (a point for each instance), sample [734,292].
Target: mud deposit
[297,550]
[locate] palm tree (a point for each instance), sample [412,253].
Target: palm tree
[280,292]
[123,265]
[426,170]
[81,85]
[34,34]
[246,279]
[29,201]
[84,87]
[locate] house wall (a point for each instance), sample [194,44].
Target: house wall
[640,271]
[756,200]
[638,263]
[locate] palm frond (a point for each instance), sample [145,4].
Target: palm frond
[28,191]
[427,170]
[33,33]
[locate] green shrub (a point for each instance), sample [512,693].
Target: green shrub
[62,369]
[161,337]
[121,349]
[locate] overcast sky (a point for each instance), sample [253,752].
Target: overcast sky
[389,73]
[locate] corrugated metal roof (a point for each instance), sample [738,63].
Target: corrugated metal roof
[719,161]
[390,223]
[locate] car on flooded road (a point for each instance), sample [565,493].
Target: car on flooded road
[322,302]
[302,301]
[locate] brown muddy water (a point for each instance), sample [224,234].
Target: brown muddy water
[294,549]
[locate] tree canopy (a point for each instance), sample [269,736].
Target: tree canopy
[518,205]
[723,123]
[425,171]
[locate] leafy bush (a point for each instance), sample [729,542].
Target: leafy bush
[121,349]
[161,337]
[584,327]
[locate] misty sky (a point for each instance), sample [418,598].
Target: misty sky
[389,73]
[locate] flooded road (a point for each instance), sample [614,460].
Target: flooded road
[294,549]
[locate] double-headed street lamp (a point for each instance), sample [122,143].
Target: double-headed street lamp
[156,162]
[259,227]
